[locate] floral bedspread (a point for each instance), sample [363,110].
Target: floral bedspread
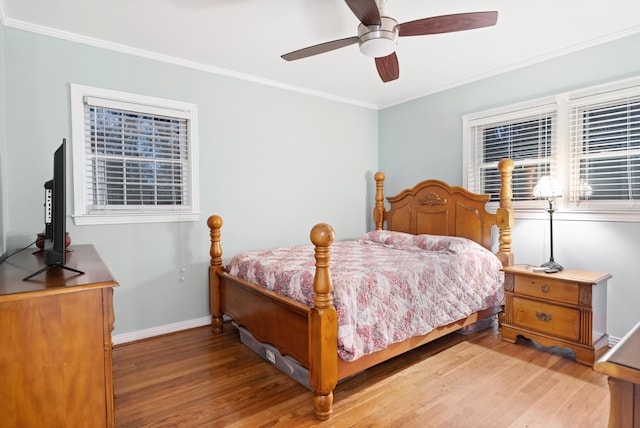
[388,286]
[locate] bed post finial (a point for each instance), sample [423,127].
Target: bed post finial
[215,224]
[378,210]
[504,215]
[323,324]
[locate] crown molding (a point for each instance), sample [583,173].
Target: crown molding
[90,41]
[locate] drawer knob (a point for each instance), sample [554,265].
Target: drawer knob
[543,317]
[544,288]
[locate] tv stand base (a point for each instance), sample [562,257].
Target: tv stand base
[52,267]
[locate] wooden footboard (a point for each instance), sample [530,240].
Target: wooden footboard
[311,333]
[261,311]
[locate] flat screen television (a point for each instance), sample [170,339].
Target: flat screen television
[55,215]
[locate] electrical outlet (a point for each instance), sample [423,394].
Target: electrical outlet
[270,356]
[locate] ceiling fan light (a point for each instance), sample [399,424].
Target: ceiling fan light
[377,48]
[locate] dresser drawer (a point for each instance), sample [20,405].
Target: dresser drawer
[547,318]
[547,289]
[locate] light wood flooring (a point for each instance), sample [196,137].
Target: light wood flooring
[195,378]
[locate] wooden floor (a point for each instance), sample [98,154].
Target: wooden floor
[195,378]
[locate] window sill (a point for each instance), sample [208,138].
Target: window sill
[579,215]
[96,219]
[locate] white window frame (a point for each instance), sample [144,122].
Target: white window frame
[562,168]
[82,182]
[594,100]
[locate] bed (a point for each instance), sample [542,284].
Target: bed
[311,337]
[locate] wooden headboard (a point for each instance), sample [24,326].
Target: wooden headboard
[436,208]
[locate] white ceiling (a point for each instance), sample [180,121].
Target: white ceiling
[245,38]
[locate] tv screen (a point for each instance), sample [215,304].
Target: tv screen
[55,211]
[55,216]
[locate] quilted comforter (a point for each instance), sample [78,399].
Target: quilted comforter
[388,286]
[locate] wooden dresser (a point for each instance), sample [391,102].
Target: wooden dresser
[566,309]
[55,342]
[622,365]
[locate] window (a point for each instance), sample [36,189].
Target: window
[134,158]
[605,151]
[588,139]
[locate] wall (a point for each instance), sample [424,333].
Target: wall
[423,138]
[3,149]
[272,163]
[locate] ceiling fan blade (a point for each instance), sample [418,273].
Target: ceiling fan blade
[321,48]
[365,10]
[448,23]
[388,67]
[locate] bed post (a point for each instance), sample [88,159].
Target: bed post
[215,224]
[504,215]
[323,327]
[378,210]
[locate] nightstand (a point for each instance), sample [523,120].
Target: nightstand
[566,309]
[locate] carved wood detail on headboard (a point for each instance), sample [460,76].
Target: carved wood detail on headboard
[432,199]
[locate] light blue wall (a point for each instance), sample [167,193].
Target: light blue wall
[272,164]
[3,148]
[423,138]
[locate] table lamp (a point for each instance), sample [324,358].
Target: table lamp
[549,189]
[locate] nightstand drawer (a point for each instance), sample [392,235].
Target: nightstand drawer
[547,318]
[547,289]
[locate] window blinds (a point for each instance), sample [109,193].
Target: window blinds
[135,160]
[605,151]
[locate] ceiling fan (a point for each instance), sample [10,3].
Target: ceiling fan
[378,34]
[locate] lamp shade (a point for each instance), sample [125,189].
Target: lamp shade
[547,188]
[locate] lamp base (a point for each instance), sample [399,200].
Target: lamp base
[551,266]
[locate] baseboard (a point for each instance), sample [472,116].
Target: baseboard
[160,330]
[613,341]
[199,322]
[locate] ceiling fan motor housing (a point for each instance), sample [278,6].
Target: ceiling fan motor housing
[378,40]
